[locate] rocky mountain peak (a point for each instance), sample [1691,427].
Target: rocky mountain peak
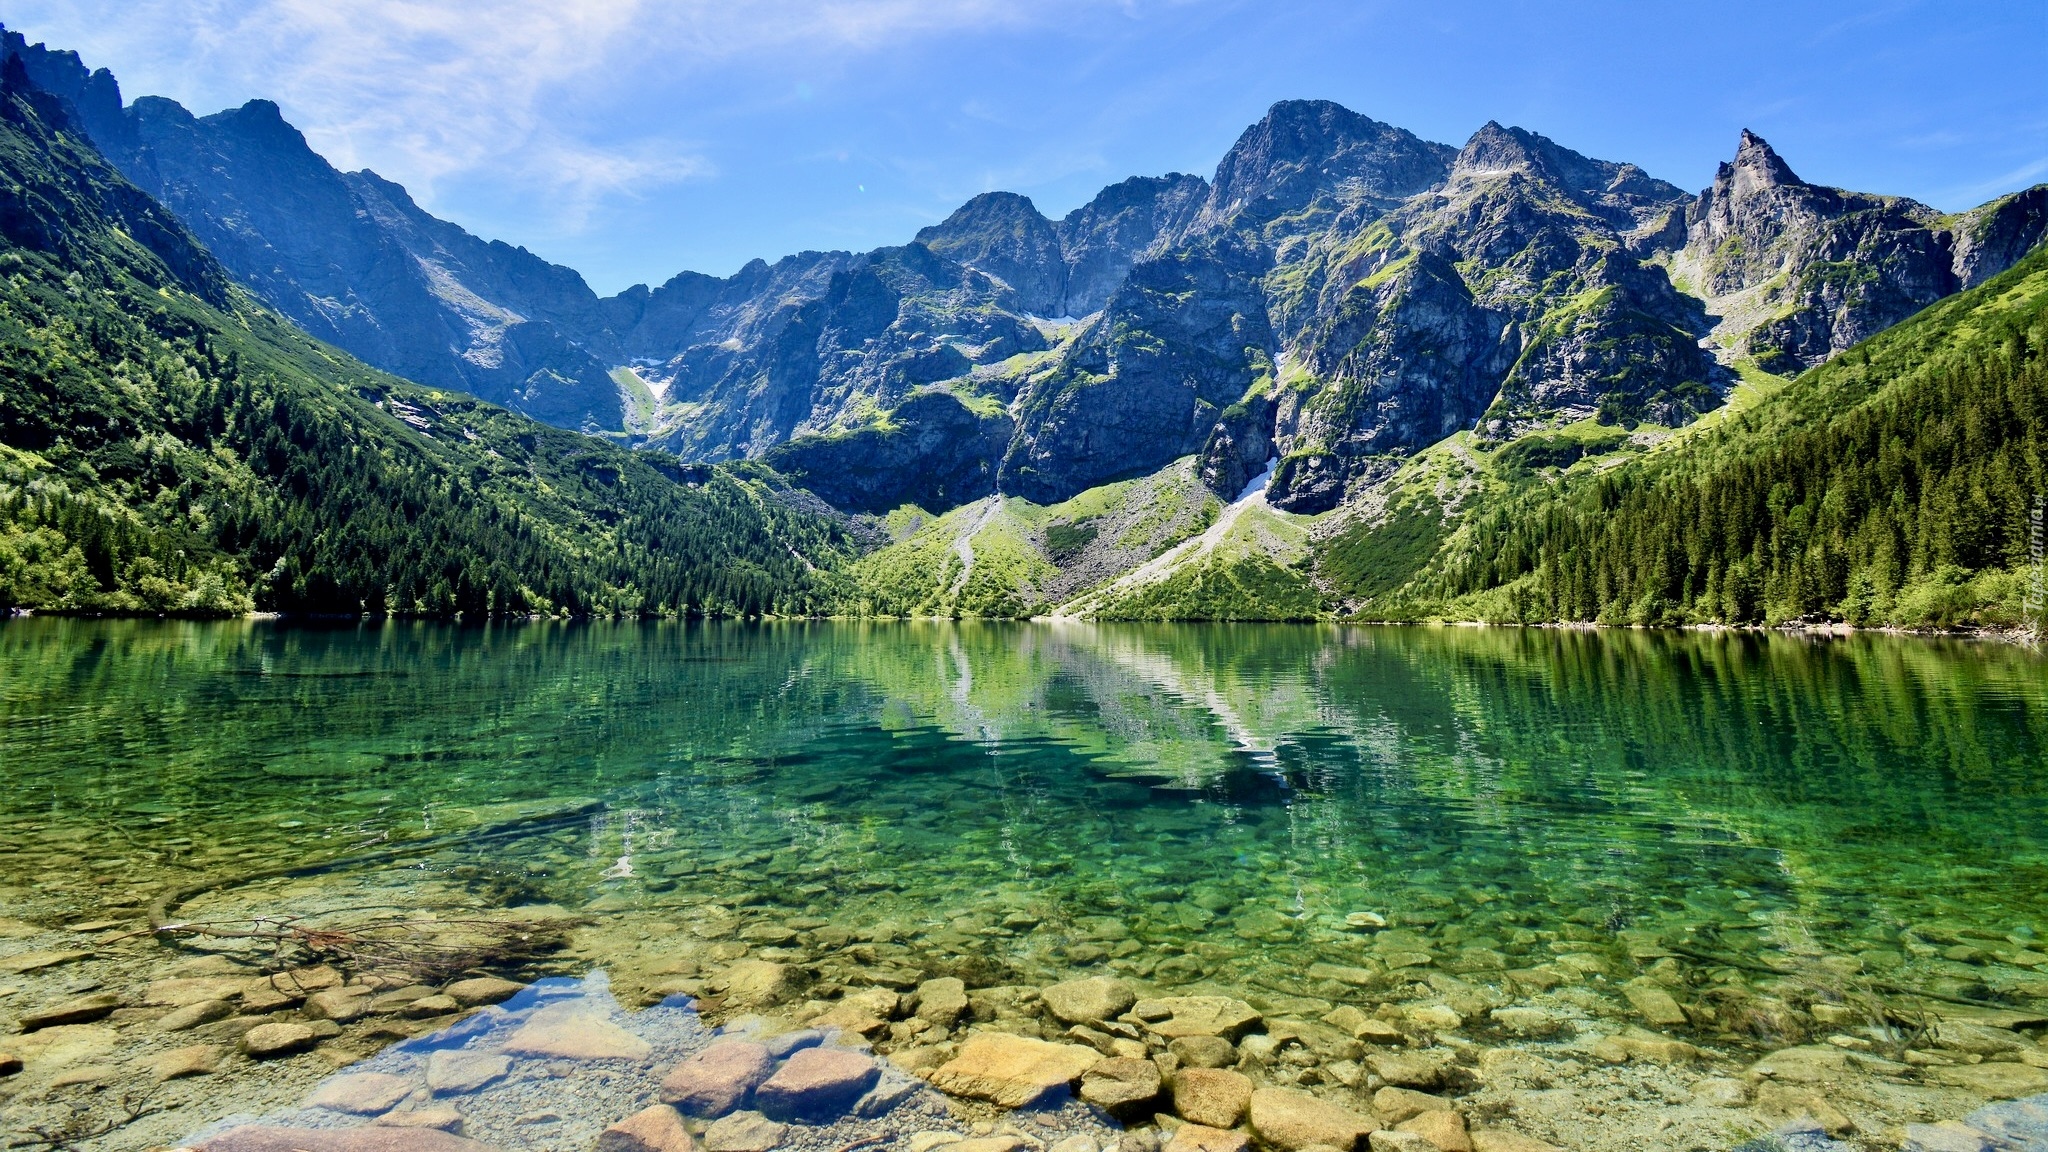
[1305,148]
[1004,235]
[1756,168]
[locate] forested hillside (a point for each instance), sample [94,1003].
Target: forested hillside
[1893,485]
[166,444]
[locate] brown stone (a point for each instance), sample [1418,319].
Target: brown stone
[816,1084]
[1175,1016]
[9,1064]
[1012,1071]
[193,1015]
[79,1010]
[656,1128]
[266,1041]
[1202,1051]
[370,1138]
[570,1032]
[453,1073]
[744,1132]
[1397,1104]
[942,1001]
[1090,1000]
[1211,1096]
[180,992]
[718,1079]
[1999,1081]
[362,1093]
[1654,1003]
[1202,1138]
[1443,1128]
[340,1005]
[756,982]
[427,1006]
[1420,1070]
[1123,1087]
[1291,1121]
[22,962]
[178,1063]
[482,990]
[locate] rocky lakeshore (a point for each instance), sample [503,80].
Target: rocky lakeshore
[1601,1041]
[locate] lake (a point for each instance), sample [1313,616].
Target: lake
[1525,839]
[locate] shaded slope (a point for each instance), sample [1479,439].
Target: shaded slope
[167,445]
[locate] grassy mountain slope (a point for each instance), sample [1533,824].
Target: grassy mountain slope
[1892,485]
[168,445]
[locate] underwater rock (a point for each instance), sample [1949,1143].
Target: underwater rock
[1175,1016]
[655,1128]
[193,1015]
[267,1041]
[79,1010]
[1291,1121]
[567,1032]
[1397,1104]
[743,1132]
[941,1001]
[179,1063]
[1123,1087]
[455,1073]
[1211,1096]
[816,1084]
[364,1093]
[718,1079]
[375,1138]
[1203,1051]
[1202,1138]
[1090,1000]
[1012,1071]
[1444,1129]
[482,990]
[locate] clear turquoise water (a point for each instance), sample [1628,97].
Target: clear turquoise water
[1224,795]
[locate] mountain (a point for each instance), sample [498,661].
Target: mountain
[1294,388]
[167,444]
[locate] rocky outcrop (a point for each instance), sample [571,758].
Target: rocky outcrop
[1800,272]
[1183,339]
[932,450]
[1071,267]
[1990,239]
[1003,234]
[1304,151]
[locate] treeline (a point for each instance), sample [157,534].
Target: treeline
[1894,485]
[161,454]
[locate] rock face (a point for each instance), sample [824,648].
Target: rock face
[1801,271]
[1012,1071]
[931,450]
[1341,294]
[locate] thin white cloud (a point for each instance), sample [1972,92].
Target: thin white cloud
[426,90]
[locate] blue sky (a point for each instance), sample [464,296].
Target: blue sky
[631,139]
